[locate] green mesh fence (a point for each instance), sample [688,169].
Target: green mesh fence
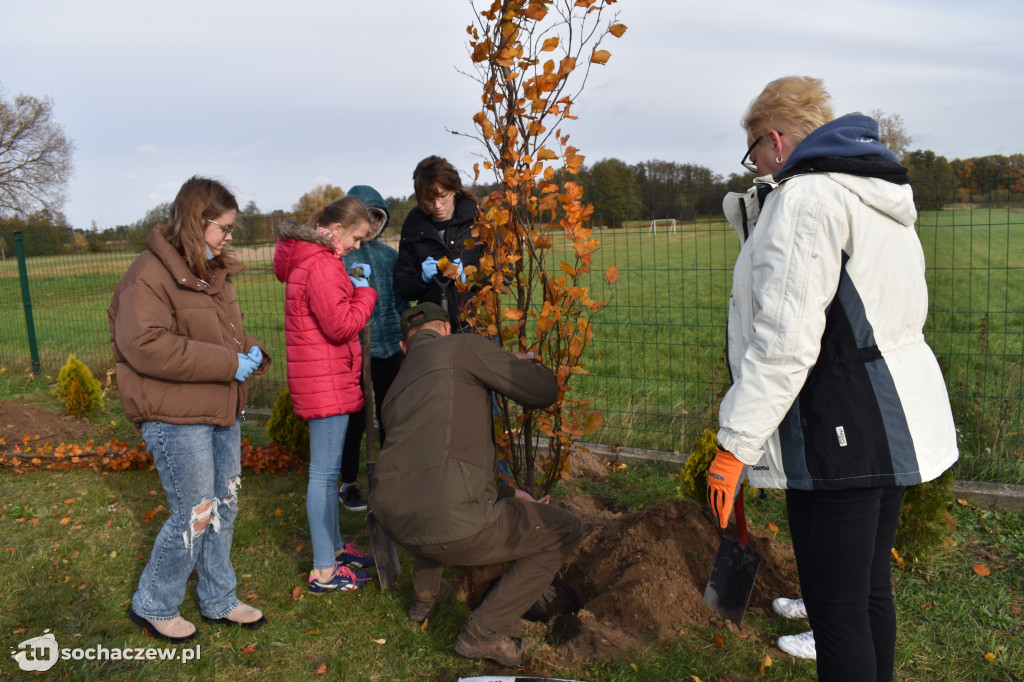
[656,366]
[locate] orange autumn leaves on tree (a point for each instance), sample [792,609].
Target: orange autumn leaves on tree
[532,58]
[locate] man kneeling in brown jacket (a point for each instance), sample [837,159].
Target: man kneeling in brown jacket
[437,490]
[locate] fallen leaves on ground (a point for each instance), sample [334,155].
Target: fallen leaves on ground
[118,456]
[982,570]
[148,516]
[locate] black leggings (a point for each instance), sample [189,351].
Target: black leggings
[382,374]
[842,541]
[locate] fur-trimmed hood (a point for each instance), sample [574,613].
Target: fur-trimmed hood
[295,244]
[289,229]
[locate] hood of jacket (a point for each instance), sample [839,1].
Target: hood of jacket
[371,198]
[849,151]
[296,243]
[846,137]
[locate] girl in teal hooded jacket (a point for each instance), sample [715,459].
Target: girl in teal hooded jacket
[385,333]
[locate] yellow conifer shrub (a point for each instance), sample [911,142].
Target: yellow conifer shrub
[78,389]
[693,477]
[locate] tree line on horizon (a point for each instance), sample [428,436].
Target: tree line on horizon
[620,192]
[32,194]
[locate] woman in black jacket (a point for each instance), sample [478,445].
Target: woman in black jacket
[439,227]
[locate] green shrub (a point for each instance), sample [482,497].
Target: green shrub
[284,427]
[78,389]
[924,518]
[693,477]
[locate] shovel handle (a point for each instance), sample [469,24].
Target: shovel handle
[741,520]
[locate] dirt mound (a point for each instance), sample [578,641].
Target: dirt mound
[39,424]
[644,573]
[637,575]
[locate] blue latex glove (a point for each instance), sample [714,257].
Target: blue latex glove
[256,355]
[365,267]
[358,282]
[462,277]
[429,267]
[245,367]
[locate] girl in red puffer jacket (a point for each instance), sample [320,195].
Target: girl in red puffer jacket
[325,310]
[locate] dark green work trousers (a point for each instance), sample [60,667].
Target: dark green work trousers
[536,538]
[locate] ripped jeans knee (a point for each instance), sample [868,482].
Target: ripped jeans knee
[207,513]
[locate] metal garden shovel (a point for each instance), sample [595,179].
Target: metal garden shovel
[732,577]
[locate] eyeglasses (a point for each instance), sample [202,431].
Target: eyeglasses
[443,198]
[227,229]
[746,162]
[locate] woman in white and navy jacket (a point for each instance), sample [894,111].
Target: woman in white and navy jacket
[836,396]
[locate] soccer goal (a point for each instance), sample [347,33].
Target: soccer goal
[669,223]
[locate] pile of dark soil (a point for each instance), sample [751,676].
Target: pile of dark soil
[636,576]
[39,424]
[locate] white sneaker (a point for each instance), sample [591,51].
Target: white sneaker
[799,646]
[789,608]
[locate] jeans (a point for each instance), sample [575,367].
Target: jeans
[326,442]
[842,541]
[200,468]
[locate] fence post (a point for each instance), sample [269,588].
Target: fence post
[19,248]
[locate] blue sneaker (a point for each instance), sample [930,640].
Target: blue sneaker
[343,579]
[353,558]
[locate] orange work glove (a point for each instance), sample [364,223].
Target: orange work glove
[724,478]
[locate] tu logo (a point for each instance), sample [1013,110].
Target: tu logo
[38,653]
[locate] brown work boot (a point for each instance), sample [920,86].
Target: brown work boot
[423,603]
[504,650]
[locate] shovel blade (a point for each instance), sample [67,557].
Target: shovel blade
[385,553]
[732,580]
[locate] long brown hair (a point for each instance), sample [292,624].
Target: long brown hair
[349,211]
[199,200]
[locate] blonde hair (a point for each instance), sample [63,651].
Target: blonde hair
[793,105]
[199,201]
[349,211]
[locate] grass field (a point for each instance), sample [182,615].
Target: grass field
[73,543]
[657,360]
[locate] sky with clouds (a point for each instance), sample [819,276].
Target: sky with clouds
[276,98]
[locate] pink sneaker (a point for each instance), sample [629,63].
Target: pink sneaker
[343,578]
[353,558]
